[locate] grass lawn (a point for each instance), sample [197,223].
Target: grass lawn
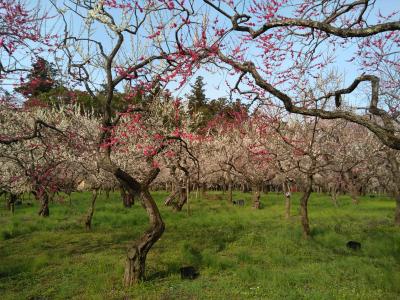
[240,253]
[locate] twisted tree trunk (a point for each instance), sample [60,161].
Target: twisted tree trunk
[136,257]
[169,200]
[288,202]
[127,199]
[395,169]
[181,200]
[180,192]
[304,208]
[230,192]
[44,208]
[256,197]
[177,198]
[11,202]
[187,196]
[89,216]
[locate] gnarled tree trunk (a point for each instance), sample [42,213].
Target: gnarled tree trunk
[127,199]
[89,216]
[230,192]
[44,206]
[395,169]
[288,202]
[169,200]
[188,194]
[171,197]
[256,197]
[136,258]
[182,199]
[177,198]
[11,202]
[180,192]
[304,208]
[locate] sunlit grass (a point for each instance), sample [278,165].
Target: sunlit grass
[241,253]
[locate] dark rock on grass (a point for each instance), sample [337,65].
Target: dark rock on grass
[353,245]
[188,272]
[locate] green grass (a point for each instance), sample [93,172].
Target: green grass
[240,253]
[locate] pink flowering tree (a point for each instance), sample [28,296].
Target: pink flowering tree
[38,159]
[276,48]
[21,35]
[118,46]
[275,51]
[388,176]
[241,141]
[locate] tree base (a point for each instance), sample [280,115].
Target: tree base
[134,267]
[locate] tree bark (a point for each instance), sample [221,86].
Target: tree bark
[256,197]
[188,194]
[171,197]
[230,193]
[286,191]
[136,258]
[44,209]
[304,209]
[178,197]
[127,199]
[181,200]
[89,216]
[11,202]
[137,252]
[395,170]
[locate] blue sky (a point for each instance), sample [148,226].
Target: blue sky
[216,86]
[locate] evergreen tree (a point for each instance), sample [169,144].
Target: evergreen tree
[209,109]
[197,97]
[41,79]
